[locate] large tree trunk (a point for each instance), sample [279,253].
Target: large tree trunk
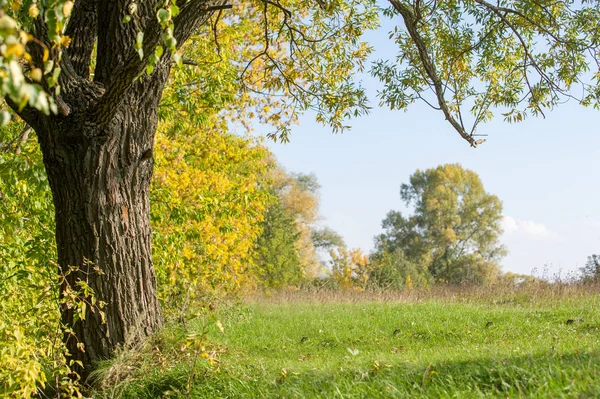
[98,153]
[100,177]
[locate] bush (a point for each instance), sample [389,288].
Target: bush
[395,271]
[32,354]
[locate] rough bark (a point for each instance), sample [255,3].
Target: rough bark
[100,176]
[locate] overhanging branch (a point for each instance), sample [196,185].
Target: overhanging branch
[410,20]
[194,14]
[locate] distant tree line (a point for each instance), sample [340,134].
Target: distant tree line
[450,235]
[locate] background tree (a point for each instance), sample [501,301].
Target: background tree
[591,270]
[454,228]
[290,222]
[278,260]
[393,270]
[299,194]
[326,238]
[349,268]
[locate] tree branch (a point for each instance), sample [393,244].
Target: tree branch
[192,15]
[82,29]
[410,21]
[30,116]
[76,92]
[116,38]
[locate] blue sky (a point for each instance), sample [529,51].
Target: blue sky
[545,171]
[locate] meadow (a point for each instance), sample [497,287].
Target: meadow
[529,343]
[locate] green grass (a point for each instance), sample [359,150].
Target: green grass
[373,349]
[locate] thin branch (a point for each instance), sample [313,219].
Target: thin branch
[216,34]
[218,8]
[16,143]
[24,136]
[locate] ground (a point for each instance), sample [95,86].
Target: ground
[375,347]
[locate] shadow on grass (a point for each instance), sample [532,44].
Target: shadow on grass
[543,375]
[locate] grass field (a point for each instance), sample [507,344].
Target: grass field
[373,348]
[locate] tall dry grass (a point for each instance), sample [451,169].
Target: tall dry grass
[531,293]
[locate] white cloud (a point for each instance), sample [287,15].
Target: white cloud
[509,225]
[529,228]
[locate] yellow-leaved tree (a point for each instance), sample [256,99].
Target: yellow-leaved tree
[350,268]
[209,196]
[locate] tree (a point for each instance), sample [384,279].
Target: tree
[350,268]
[205,214]
[327,239]
[298,195]
[394,270]
[454,229]
[95,119]
[289,223]
[591,270]
[277,257]
[209,194]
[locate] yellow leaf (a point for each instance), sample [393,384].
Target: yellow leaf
[33,11]
[65,41]
[67,7]
[16,49]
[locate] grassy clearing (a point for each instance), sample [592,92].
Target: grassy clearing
[299,347]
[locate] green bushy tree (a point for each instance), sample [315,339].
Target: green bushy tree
[326,238]
[278,260]
[454,230]
[290,223]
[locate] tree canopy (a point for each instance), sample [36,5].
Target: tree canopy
[471,58]
[468,59]
[591,270]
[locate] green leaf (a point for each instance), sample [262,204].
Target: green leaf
[163,16]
